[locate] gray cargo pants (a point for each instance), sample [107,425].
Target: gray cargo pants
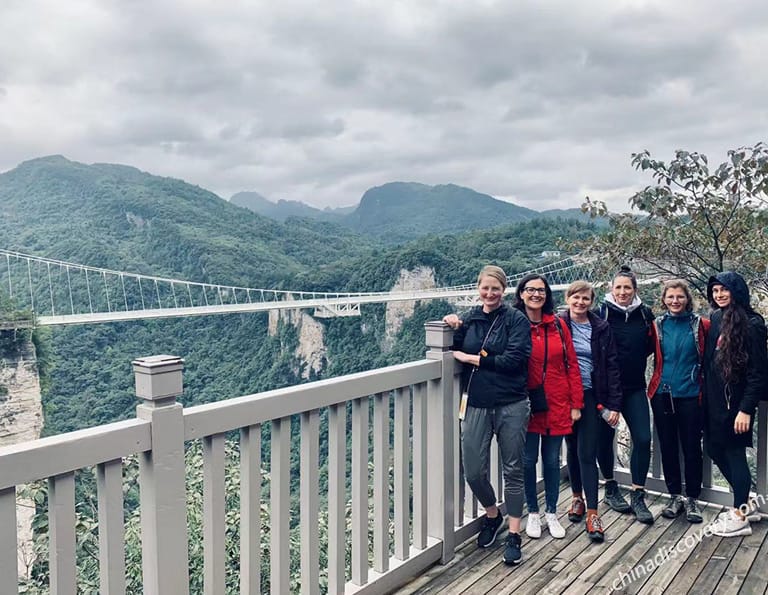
[509,423]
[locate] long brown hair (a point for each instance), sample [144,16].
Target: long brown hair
[731,355]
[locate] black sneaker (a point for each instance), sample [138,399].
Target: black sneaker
[692,511]
[674,508]
[639,508]
[489,530]
[513,553]
[613,497]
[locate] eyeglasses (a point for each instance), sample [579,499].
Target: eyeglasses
[533,290]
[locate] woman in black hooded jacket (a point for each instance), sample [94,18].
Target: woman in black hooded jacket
[735,364]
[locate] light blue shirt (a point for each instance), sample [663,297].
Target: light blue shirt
[582,342]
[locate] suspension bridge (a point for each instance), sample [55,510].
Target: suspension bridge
[57,292]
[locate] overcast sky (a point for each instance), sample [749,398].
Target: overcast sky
[536,102]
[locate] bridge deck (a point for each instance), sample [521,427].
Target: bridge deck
[574,565]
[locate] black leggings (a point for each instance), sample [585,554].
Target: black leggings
[678,423]
[636,413]
[582,449]
[732,462]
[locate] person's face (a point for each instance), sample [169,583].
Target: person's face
[579,303]
[721,296]
[622,291]
[534,294]
[675,300]
[491,291]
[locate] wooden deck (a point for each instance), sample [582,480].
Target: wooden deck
[574,565]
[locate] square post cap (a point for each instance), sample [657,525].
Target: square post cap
[439,335]
[158,376]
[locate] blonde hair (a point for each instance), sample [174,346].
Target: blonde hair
[677,284]
[497,273]
[578,287]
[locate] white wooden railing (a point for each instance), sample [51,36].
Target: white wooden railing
[425,500]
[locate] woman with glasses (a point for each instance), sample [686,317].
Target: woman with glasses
[599,369]
[735,379]
[556,396]
[632,326]
[675,393]
[493,343]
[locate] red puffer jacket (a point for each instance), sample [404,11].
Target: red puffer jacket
[562,384]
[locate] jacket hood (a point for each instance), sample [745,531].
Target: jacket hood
[611,301]
[734,283]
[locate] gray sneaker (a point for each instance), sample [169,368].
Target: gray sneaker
[637,499]
[613,497]
[692,511]
[675,507]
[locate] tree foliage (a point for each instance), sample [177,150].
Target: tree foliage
[695,220]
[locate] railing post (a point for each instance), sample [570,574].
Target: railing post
[162,477]
[440,477]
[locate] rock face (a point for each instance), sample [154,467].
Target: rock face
[21,419]
[414,280]
[311,351]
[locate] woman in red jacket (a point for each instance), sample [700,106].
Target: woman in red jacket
[556,395]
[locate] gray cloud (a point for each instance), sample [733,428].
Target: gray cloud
[296,100]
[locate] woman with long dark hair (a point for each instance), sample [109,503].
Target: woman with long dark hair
[493,343]
[632,326]
[556,396]
[735,365]
[675,393]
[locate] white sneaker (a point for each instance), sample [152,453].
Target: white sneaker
[533,526]
[731,525]
[555,528]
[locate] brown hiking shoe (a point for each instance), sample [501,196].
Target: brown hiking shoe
[595,528]
[577,509]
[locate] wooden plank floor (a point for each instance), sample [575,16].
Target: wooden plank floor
[634,558]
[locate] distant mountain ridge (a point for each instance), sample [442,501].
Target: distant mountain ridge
[283,209]
[397,212]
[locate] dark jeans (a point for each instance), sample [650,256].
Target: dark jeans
[582,449]
[638,417]
[509,423]
[550,460]
[732,462]
[679,421]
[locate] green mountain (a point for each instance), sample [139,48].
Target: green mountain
[118,217]
[401,211]
[121,218]
[285,209]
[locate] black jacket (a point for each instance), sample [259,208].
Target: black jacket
[635,339]
[722,402]
[606,381]
[503,373]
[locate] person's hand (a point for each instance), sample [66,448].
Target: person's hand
[452,320]
[613,419]
[575,414]
[741,423]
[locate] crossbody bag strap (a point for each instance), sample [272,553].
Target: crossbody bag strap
[482,347]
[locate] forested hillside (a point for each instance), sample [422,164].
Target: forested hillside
[119,217]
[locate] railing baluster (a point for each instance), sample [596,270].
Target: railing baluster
[420,466]
[310,534]
[214,515]
[9,584]
[280,506]
[402,512]
[762,455]
[381,482]
[250,509]
[61,527]
[360,491]
[109,483]
[337,473]
[458,479]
